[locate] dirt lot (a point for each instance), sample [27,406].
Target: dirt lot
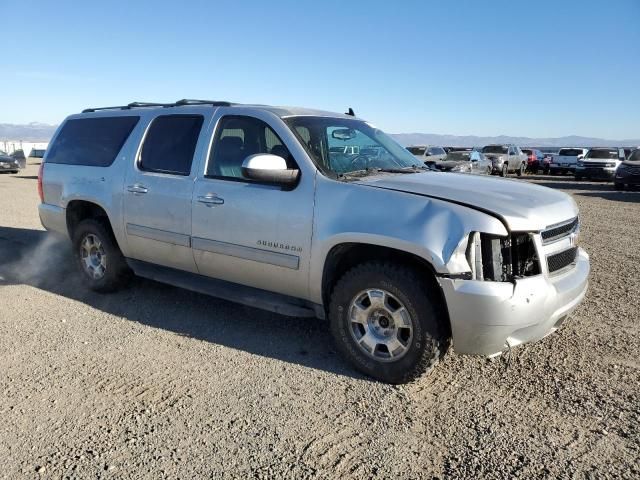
[157,382]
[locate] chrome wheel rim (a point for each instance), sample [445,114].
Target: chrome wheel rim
[380,324]
[93,257]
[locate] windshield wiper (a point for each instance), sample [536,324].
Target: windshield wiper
[411,169]
[372,171]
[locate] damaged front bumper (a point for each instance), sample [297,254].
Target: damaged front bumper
[487,317]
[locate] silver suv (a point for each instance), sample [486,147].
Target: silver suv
[263,206]
[506,159]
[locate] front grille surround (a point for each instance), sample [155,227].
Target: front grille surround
[558,262]
[560,231]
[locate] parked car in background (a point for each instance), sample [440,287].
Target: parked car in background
[35,156]
[19,156]
[535,159]
[506,159]
[600,163]
[8,163]
[565,160]
[466,162]
[429,154]
[628,172]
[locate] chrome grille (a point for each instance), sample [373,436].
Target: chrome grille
[557,232]
[559,261]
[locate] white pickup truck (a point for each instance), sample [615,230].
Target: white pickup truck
[565,160]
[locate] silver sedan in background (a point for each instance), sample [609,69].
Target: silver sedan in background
[466,161]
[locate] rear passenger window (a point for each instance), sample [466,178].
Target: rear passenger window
[170,144]
[94,142]
[237,138]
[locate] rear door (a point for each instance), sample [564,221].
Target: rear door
[158,191]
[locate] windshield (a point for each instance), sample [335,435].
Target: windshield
[570,152]
[495,149]
[606,154]
[341,145]
[635,156]
[417,150]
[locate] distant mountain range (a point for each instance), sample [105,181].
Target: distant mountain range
[32,132]
[41,132]
[407,139]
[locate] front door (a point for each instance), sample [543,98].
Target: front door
[247,232]
[158,192]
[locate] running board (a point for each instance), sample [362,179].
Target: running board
[233,292]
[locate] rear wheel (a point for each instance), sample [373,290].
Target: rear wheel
[385,320]
[98,256]
[505,170]
[521,170]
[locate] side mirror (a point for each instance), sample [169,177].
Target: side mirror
[264,167]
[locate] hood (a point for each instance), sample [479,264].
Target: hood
[522,206]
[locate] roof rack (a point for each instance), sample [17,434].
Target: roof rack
[179,103]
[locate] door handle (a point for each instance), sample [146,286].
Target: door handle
[137,188]
[211,199]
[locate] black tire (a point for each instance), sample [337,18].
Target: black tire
[505,170]
[521,170]
[618,186]
[117,272]
[430,338]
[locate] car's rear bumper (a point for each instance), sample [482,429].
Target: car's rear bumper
[53,218]
[487,317]
[554,167]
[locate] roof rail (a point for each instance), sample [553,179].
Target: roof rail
[189,101]
[179,103]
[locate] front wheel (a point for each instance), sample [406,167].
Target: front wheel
[618,186]
[387,321]
[99,258]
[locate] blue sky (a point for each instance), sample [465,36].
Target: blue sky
[537,68]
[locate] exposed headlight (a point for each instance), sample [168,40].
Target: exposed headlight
[502,259]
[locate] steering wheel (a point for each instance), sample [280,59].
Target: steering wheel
[360,158]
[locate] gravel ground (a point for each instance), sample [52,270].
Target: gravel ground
[158,382]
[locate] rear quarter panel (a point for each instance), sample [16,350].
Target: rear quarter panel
[103,186]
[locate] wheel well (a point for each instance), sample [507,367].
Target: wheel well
[344,257]
[79,210]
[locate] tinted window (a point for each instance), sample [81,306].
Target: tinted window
[237,138]
[603,154]
[527,151]
[635,156]
[436,151]
[170,144]
[91,141]
[494,149]
[570,152]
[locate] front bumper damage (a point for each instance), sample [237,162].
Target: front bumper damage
[488,317]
